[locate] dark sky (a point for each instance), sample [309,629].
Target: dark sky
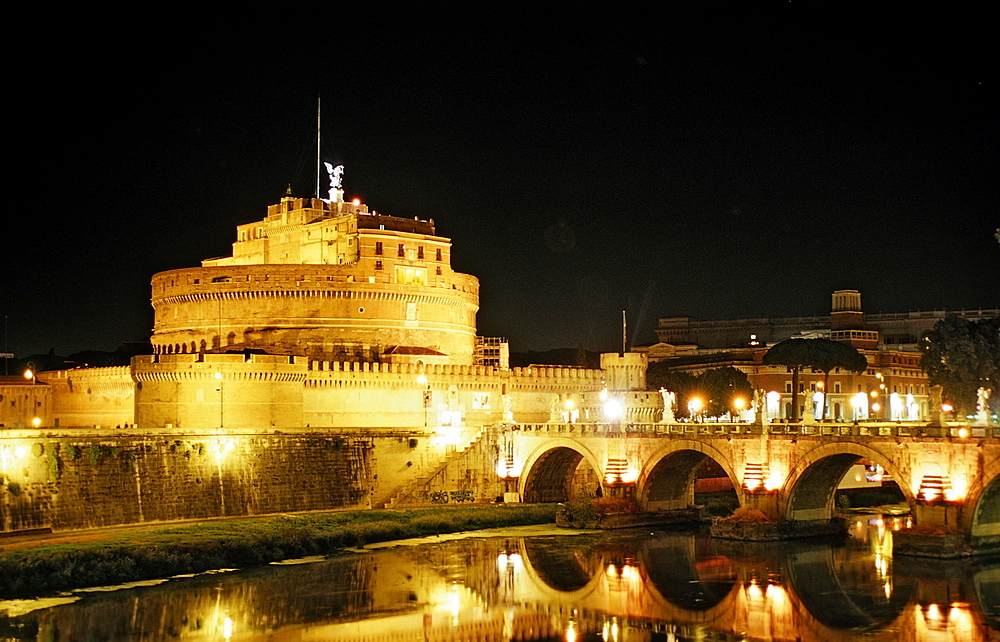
[715,159]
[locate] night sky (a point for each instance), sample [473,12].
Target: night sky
[714,159]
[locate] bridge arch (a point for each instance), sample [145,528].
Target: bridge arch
[811,485]
[666,481]
[549,469]
[983,498]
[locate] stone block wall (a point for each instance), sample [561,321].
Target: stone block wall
[87,480]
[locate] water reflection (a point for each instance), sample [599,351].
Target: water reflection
[617,587]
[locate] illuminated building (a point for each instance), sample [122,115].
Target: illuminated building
[328,280]
[897,329]
[894,387]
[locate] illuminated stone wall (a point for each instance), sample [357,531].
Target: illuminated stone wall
[328,281]
[190,391]
[102,397]
[88,480]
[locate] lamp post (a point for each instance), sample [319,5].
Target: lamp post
[218,377]
[739,403]
[422,380]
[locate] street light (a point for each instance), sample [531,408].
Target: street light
[218,377]
[422,380]
[694,407]
[739,403]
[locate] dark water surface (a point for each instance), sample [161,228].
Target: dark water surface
[624,586]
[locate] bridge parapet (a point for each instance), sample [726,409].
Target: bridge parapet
[836,431]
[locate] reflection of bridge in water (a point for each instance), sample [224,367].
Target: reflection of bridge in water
[628,588]
[790,472]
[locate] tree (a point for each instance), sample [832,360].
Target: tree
[819,354]
[961,356]
[721,386]
[717,388]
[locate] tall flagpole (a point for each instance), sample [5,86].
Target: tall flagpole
[624,335]
[317,145]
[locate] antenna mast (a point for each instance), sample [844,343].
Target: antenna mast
[624,335]
[317,145]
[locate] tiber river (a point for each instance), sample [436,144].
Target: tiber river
[635,585]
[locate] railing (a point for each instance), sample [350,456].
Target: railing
[836,430]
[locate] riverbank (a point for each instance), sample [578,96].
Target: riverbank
[129,556]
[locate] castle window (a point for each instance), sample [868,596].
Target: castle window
[378,248]
[439,270]
[420,252]
[437,254]
[378,265]
[401,252]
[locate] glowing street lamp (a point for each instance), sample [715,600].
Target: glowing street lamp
[613,410]
[694,407]
[739,403]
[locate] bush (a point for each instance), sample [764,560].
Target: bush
[746,516]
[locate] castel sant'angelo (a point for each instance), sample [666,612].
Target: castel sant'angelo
[329,314]
[331,361]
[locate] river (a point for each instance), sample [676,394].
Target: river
[623,586]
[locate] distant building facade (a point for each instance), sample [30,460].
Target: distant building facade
[894,387]
[894,329]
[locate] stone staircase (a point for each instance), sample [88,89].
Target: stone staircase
[425,481]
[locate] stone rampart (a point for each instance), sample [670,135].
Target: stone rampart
[79,479]
[103,397]
[324,311]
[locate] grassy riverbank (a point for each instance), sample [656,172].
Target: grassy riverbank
[177,550]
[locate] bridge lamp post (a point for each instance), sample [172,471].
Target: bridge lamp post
[739,403]
[613,410]
[694,408]
[422,380]
[218,377]
[859,402]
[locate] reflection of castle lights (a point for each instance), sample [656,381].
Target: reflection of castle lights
[609,632]
[227,628]
[957,623]
[571,631]
[509,561]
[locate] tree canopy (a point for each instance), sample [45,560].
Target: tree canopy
[819,354]
[717,388]
[961,356]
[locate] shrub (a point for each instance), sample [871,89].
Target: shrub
[746,515]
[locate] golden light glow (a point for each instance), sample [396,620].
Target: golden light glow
[739,403]
[571,631]
[963,432]
[28,374]
[775,480]
[36,422]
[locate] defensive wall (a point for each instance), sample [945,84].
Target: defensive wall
[72,478]
[199,391]
[103,397]
[322,311]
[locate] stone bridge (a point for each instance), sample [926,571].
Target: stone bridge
[950,476]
